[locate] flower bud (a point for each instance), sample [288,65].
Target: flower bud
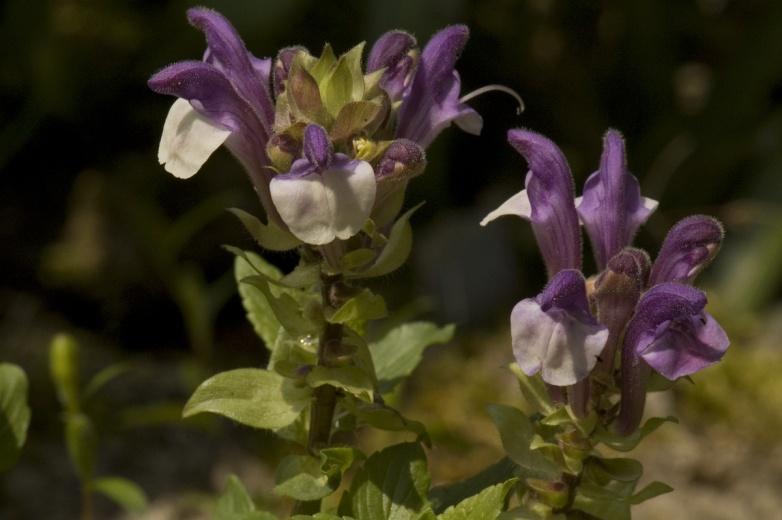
[554,494]
[282,66]
[616,293]
[282,149]
[402,160]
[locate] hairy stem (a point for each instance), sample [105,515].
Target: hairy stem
[325,397]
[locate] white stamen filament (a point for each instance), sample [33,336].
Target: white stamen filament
[490,88]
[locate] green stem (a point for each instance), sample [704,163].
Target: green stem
[325,397]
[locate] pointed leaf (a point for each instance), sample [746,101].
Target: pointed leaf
[396,250]
[517,433]
[488,504]
[534,391]
[619,443]
[268,236]
[363,307]
[300,477]
[443,497]
[392,485]
[251,396]
[14,413]
[123,492]
[652,490]
[350,379]
[397,354]
[257,307]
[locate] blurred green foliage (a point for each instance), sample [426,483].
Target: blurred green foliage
[96,237]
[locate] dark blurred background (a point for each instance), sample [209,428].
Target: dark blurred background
[98,240]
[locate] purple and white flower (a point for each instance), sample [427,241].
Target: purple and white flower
[555,333]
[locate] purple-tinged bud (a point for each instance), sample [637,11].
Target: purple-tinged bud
[554,494]
[616,294]
[691,244]
[402,160]
[317,147]
[282,149]
[282,65]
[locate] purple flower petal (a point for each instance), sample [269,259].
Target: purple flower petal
[317,147]
[228,53]
[207,89]
[392,52]
[612,208]
[432,100]
[549,188]
[555,334]
[673,334]
[691,244]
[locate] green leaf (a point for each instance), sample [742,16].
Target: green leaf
[357,258]
[300,477]
[123,492]
[564,416]
[290,353]
[251,396]
[391,485]
[652,490]
[534,391]
[488,504]
[363,307]
[517,433]
[443,497]
[81,441]
[234,502]
[396,355]
[338,459]
[14,413]
[396,251]
[380,416]
[619,443]
[268,236]
[353,118]
[601,503]
[64,370]
[285,304]
[257,307]
[351,379]
[105,376]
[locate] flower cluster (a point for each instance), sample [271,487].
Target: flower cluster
[326,144]
[647,314]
